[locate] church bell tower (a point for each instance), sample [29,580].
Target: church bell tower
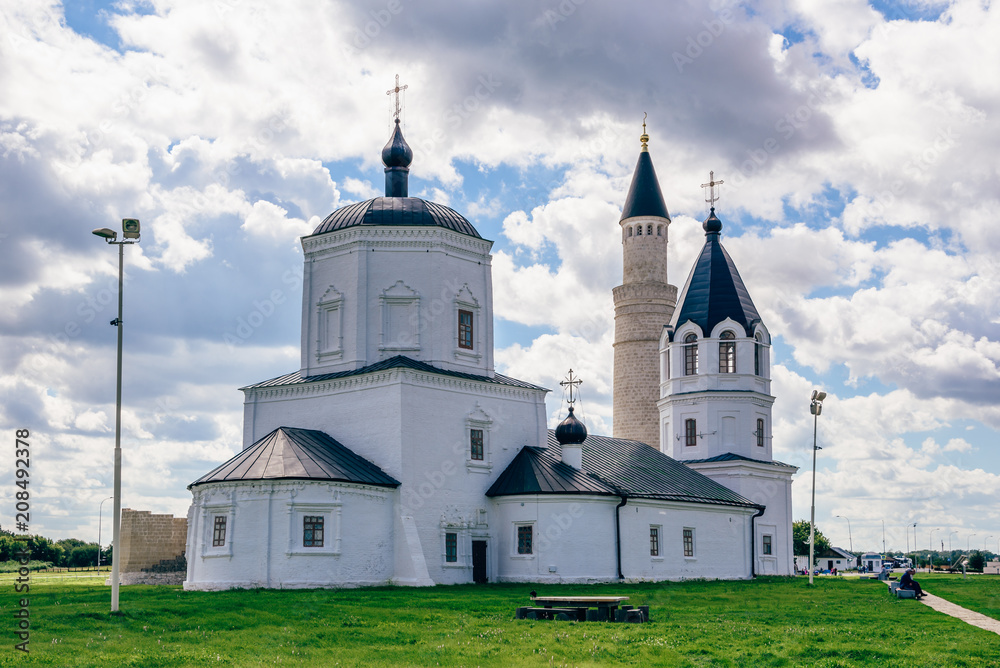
[644,304]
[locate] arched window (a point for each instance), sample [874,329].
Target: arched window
[690,354]
[757,354]
[659,230]
[630,231]
[727,352]
[760,433]
[638,230]
[649,229]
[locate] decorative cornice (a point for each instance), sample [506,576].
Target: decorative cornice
[204,493]
[385,236]
[385,379]
[628,291]
[700,396]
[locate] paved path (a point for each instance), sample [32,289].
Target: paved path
[958,612]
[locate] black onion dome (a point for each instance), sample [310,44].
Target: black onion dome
[406,211]
[712,224]
[397,153]
[571,431]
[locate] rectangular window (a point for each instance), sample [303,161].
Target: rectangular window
[219,531]
[690,432]
[451,547]
[691,359]
[688,542]
[465,329]
[727,357]
[760,433]
[756,358]
[476,444]
[312,531]
[767,544]
[524,539]
[654,541]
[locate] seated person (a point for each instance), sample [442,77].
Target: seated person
[907,582]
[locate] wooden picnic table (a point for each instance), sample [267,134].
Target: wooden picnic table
[607,606]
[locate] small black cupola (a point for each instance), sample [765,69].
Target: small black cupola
[571,431]
[397,156]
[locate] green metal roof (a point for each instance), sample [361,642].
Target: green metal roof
[611,466]
[288,453]
[534,471]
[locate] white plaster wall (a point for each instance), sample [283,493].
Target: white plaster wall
[721,540]
[437,267]
[768,486]
[415,426]
[573,533]
[264,535]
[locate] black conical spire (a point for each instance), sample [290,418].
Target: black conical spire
[397,156]
[644,195]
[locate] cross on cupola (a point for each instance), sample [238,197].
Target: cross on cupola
[397,90]
[571,383]
[712,197]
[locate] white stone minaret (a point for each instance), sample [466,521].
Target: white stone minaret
[644,303]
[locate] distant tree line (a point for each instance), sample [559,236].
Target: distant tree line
[69,552]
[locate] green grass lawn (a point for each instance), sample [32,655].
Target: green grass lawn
[767,622]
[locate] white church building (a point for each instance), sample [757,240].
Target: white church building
[397,454]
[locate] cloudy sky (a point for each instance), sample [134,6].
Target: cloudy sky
[857,142]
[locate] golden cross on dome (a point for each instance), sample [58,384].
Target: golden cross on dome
[396,91]
[571,383]
[712,197]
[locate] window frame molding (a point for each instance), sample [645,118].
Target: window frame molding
[464,300]
[208,513]
[399,294]
[689,348]
[478,419]
[694,548]
[331,302]
[332,513]
[727,352]
[659,556]
[515,546]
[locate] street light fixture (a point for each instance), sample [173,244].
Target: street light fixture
[930,545]
[816,408]
[883,537]
[949,541]
[849,537]
[969,542]
[130,235]
[100,516]
[986,541]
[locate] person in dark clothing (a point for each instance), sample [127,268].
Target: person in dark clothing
[907,582]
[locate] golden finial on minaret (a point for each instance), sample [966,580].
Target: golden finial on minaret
[644,137]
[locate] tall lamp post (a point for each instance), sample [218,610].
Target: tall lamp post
[883,538]
[930,545]
[986,541]
[849,537]
[130,235]
[100,516]
[816,408]
[969,542]
[949,543]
